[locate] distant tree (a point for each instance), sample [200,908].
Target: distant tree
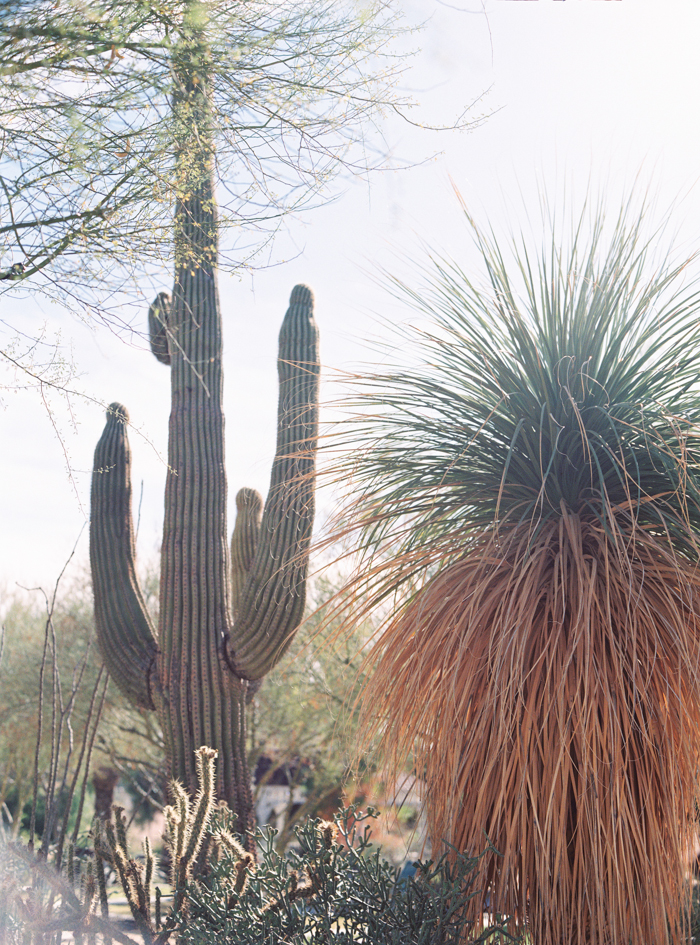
[49,670]
[46,681]
[304,720]
[89,166]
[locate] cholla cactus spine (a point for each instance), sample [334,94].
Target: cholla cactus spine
[134,879]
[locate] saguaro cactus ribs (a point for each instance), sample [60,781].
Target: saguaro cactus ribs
[197,670]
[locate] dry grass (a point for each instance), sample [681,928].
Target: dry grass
[525,504]
[550,692]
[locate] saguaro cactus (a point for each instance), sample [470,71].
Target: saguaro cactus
[198,669]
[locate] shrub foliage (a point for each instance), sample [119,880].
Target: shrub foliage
[333,888]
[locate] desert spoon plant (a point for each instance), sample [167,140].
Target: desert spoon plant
[530,487]
[216,639]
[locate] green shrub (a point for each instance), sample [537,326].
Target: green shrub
[326,891]
[333,888]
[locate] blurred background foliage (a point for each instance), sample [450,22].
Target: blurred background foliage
[303,720]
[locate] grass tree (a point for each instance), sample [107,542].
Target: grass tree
[530,508]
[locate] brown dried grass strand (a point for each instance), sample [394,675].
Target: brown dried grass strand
[549,692]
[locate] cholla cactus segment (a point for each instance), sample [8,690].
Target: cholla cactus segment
[158,315]
[328,832]
[172,822]
[272,602]
[204,803]
[241,873]
[177,819]
[72,874]
[159,919]
[148,872]
[238,874]
[135,880]
[228,842]
[182,800]
[101,855]
[89,888]
[103,849]
[120,827]
[124,630]
[187,825]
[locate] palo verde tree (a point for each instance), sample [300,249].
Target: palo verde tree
[530,503]
[93,126]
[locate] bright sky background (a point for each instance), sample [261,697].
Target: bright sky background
[579,90]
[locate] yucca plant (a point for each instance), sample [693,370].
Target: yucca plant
[529,516]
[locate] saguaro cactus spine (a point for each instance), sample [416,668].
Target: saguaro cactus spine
[197,670]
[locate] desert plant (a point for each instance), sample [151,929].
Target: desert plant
[333,888]
[216,640]
[53,691]
[126,739]
[188,830]
[530,507]
[40,867]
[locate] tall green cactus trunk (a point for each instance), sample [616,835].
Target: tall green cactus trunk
[214,641]
[201,703]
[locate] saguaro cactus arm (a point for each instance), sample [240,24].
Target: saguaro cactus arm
[124,630]
[244,541]
[271,604]
[158,317]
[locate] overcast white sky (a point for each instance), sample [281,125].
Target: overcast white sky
[579,90]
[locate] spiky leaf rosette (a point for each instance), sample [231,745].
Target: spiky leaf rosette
[530,506]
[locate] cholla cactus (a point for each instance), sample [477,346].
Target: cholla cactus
[198,669]
[111,847]
[187,825]
[187,830]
